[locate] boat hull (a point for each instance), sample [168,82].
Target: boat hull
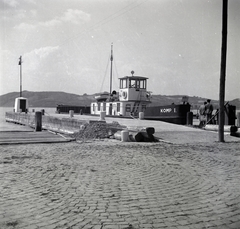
[176,114]
[64,109]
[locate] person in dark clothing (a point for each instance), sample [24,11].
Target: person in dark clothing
[202,114]
[209,110]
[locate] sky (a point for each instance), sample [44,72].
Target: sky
[65,45]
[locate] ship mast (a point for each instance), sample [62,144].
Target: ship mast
[111,58]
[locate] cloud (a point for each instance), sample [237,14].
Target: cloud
[20,14]
[33,13]
[43,51]
[36,57]
[12,14]
[24,26]
[50,23]
[71,16]
[75,16]
[27,26]
[11,3]
[31,1]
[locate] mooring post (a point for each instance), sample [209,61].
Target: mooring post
[189,118]
[124,135]
[141,115]
[71,112]
[102,115]
[38,121]
[238,119]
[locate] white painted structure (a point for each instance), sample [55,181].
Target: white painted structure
[131,99]
[21,104]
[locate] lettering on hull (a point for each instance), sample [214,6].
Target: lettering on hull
[167,110]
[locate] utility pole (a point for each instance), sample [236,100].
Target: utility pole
[223,71]
[20,63]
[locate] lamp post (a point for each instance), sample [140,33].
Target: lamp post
[20,63]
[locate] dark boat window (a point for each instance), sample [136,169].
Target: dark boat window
[143,84]
[99,106]
[118,107]
[137,83]
[133,83]
[123,83]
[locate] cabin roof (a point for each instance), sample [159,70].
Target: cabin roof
[134,77]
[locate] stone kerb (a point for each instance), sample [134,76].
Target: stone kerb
[62,124]
[9,117]
[49,122]
[20,118]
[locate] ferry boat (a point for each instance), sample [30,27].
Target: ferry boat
[132,101]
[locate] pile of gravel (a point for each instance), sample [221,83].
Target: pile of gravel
[98,130]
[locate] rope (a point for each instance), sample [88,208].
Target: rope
[104,75]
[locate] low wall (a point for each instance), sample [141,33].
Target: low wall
[62,125]
[20,118]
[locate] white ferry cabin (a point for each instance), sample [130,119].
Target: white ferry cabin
[131,99]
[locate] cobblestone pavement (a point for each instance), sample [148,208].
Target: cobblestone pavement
[110,184]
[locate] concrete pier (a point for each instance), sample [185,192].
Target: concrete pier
[178,134]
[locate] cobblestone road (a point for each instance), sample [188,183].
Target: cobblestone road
[110,184]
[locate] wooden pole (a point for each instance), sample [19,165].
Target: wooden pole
[223,71]
[38,121]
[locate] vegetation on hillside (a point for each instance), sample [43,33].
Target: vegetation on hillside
[52,99]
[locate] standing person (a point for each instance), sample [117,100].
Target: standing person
[202,114]
[209,110]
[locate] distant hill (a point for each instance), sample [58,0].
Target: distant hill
[195,101]
[46,99]
[51,99]
[236,102]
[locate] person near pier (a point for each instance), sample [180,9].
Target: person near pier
[209,110]
[202,114]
